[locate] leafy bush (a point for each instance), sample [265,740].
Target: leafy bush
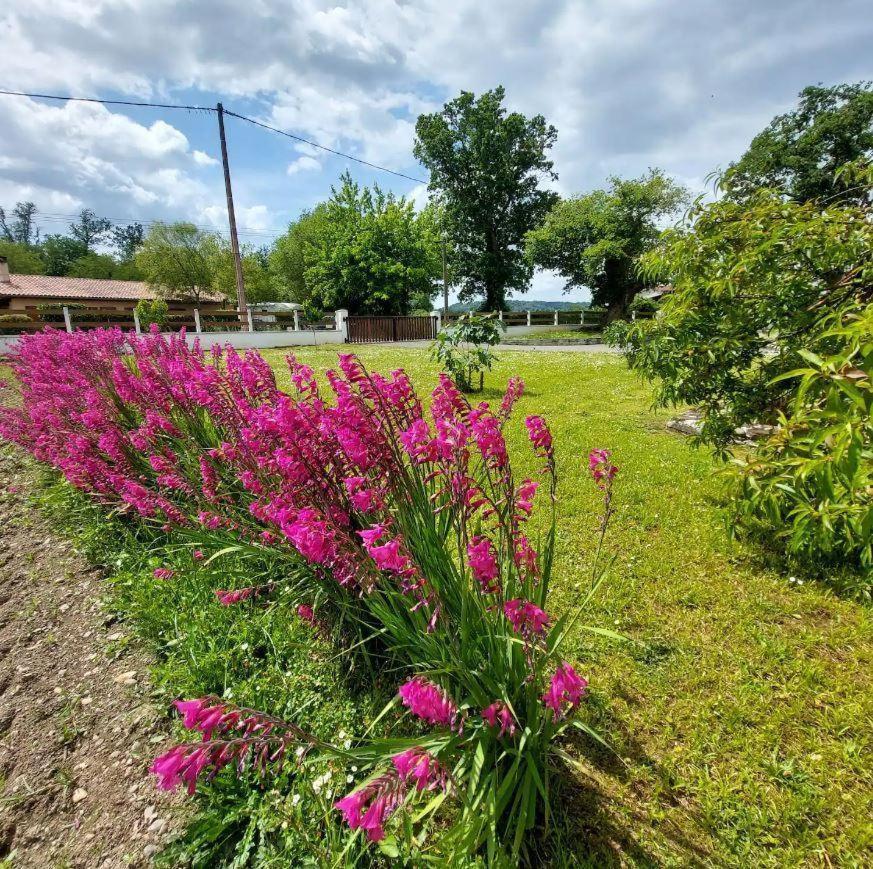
[14,318]
[151,311]
[769,310]
[464,363]
[644,305]
[416,535]
[811,483]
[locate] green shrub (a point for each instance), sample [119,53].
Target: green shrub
[464,363]
[14,318]
[810,485]
[151,311]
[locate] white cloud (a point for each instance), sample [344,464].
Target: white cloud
[201,158]
[303,164]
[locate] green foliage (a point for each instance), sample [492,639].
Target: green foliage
[288,258]
[23,260]
[127,240]
[22,229]
[58,252]
[596,240]
[151,311]
[809,487]
[463,363]
[179,260]
[644,305]
[366,251]
[92,265]
[90,229]
[486,167]
[800,153]
[753,284]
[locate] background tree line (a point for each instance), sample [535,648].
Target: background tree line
[491,209]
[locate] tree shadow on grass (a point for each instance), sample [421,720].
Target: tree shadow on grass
[603,819]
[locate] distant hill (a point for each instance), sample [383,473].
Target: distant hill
[523,305]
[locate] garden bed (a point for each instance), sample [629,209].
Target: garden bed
[738,708]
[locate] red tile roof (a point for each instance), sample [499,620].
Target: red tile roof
[47,287]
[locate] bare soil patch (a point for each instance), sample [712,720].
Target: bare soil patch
[78,728]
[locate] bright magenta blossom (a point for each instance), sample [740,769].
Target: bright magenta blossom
[483,563]
[498,715]
[540,436]
[527,618]
[163,573]
[601,467]
[418,764]
[565,690]
[429,702]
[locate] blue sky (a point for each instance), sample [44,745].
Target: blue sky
[628,83]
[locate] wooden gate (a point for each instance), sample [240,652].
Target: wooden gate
[377,330]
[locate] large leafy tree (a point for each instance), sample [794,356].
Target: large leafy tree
[179,260]
[20,227]
[288,261]
[22,259]
[800,152]
[58,252]
[372,253]
[127,240]
[89,230]
[596,240]
[487,166]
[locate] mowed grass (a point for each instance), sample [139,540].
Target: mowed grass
[563,335]
[740,708]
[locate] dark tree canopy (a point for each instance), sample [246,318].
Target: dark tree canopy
[596,240]
[20,227]
[486,166]
[90,229]
[127,240]
[800,152]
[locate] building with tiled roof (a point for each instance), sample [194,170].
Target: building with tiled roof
[26,292]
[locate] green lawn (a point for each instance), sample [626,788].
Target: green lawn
[561,335]
[742,708]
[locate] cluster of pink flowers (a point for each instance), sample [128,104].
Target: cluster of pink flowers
[565,691]
[429,702]
[370,499]
[230,735]
[482,558]
[601,467]
[369,807]
[526,618]
[498,715]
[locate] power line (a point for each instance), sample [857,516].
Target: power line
[106,102]
[324,147]
[248,120]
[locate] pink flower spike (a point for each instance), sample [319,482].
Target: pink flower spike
[190,710]
[483,564]
[498,715]
[352,806]
[526,618]
[429,702]
[565,690]
[163,573]
[601,467]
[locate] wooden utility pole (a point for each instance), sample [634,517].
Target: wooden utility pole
[445,284]
[231,217]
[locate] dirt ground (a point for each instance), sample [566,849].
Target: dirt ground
[77,726]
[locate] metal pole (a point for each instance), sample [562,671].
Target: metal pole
[231,217]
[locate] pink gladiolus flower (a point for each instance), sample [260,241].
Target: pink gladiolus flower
[163,573]
[362,497]
[352,806]
[514,391]
[428,702]
[418,764]
[489,439]
[190,710]
[565,690]
[527,618]
[197,555]
[483,564]
[312,537]
[228,598]
[524,497]
[601,467]
[498,715]
[540,436]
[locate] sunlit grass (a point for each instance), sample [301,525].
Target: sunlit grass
[742,707]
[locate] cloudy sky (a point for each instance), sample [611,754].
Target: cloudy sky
[628,83]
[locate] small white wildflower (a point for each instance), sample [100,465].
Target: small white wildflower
[295,799]
[349,779]
[347,744]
